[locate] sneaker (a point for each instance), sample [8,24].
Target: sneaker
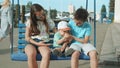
[69,52]
[57,52]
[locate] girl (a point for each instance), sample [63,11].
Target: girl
[37,32]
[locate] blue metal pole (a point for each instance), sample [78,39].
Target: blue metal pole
[18,11]
[95,23]
[12,28]
[86,4]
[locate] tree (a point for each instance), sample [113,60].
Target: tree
[23,14]
[81,6]
[111,5]
[0,6]
[17,12]
[103,11]
[65,14]
[111,9]
[29,4]
[53,13]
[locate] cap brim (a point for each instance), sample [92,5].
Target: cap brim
[66,29]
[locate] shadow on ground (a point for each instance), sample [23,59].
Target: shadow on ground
[4,51]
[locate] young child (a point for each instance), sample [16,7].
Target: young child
[62,38]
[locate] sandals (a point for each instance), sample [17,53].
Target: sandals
[57,52]
[69,52]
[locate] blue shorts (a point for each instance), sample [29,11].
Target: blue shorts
[37,40]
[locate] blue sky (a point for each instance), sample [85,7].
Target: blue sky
[62,5]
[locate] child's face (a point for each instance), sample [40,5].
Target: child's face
[62,32]
[78,22]
[40,15]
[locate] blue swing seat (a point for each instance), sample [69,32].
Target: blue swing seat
[21,56]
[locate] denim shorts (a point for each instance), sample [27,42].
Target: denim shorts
[37,40]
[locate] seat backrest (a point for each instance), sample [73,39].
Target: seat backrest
[21,37]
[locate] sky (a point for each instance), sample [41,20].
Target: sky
[62,5]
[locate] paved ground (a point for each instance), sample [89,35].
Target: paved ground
[6,62]
[111,45]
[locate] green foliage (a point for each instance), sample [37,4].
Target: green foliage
[103,11]
[103,8]
[81,6]
[111,9]
[0,6]
[29,4]
[65,14]
[53,13]
[17,9]
[111,5]
[23,14]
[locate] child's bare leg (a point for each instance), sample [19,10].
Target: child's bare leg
[63,47]
[59,49]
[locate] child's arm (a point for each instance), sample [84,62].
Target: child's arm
[68,37]
[85,40]
[64,46]
[62,40]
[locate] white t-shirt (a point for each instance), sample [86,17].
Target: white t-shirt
[43,34]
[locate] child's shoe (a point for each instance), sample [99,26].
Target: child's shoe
[69,52]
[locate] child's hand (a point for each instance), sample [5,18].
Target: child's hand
[48,45]
[42,43]
[66,35]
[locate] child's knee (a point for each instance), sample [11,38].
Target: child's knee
[93,53]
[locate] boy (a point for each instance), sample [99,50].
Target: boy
[62,38]
[81,31]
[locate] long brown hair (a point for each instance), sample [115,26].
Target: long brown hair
[33,24]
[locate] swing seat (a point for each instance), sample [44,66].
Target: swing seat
[21,56]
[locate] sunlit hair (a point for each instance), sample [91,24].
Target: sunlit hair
[81,14]
[6,3]
[33,24]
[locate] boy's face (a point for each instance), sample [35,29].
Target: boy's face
[62,31]
[78,22]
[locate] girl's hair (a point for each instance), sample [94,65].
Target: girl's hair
[81,14]
[6,3]
[33,24]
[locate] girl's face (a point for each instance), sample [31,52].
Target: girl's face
[40,15]
[78,22]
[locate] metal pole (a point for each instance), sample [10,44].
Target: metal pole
[12,28]
[18,11]
[95,23]
[86,4]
